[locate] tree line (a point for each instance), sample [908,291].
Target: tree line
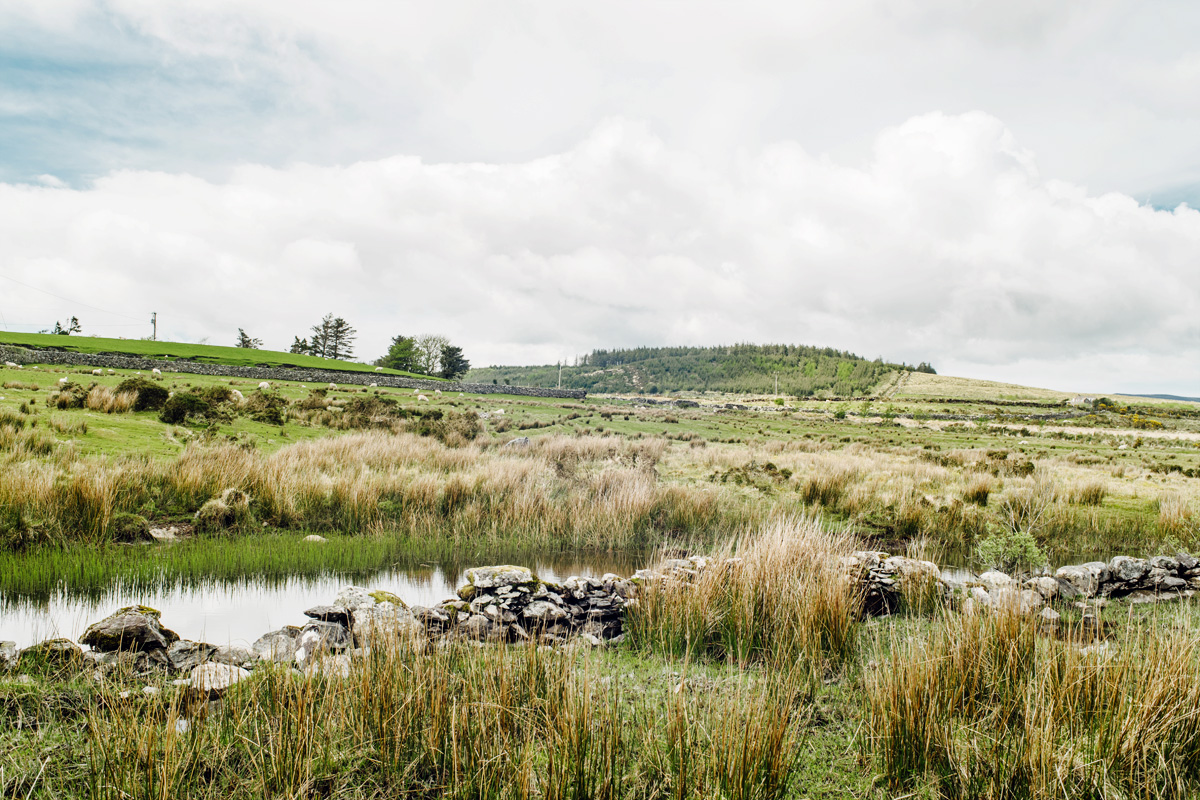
[333,337]
[797,370]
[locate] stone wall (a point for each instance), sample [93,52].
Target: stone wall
[19,355]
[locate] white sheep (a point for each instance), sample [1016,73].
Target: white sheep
[237,395]
[422,398]
[499,412]
[63,381]
[10,365]
[264,386]
[379,369]
[437,391]
[156,371]
[374,384]
[112,372]
[97,372]
[416,391]
[332,386]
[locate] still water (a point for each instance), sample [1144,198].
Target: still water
[238,612]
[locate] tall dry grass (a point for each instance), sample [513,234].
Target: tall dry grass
[778,594]
[455,722]
[563,492]
[985,706]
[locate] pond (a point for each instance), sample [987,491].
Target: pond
[238,610]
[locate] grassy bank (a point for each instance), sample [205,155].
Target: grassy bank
[202,353]
[761,682]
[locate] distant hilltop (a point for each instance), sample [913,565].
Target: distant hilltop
[797,371]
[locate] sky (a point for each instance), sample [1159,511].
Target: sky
[1004,189]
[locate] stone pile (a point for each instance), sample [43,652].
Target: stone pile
[1138,579]
[886,581]
[509,603]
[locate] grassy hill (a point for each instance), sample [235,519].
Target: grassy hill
[169,351]
[802,371]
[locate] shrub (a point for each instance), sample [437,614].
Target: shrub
[197,405]
[1009,550]
[150,395]
[69,395]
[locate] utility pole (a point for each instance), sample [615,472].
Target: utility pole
[560,374]
[777,384]
[154,323]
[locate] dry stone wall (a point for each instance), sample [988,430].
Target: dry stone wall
[19,355]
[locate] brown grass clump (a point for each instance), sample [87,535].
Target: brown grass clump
[103,398]
[983,706]
[977,490]
[779,594]
[455,722]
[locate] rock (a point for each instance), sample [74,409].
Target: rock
[980,596]
[211,680]
[235,656]
[1141,596]
[129,628]
[1128,570]
[476,626]
[338,614]
[278,646]
[312,537]
[1049,616]
[330,666]
[993,580]
[543,612]
[1165,563]
[1080,580]
[1186,561]
[8,655]
[480,579]
[383,621]
[321,637]
[1045,586]
[520,441]
[1016,601]
[185,656]
[354,597]
[52,652]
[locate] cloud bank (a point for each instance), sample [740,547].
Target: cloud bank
[945,244]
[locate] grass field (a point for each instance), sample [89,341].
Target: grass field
[765,687]
[202,353]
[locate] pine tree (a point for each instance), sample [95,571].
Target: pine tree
[453,363]
[401,355]
[332,338]
[246,342]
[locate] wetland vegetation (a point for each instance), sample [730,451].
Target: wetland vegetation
[771,685]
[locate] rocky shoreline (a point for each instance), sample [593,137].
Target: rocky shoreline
[510,604]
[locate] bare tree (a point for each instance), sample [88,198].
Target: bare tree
[428,349]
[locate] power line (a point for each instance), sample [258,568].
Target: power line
[69,300]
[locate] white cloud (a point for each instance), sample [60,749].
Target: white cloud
[945,245]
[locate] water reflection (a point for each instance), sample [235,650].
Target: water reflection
[238,612]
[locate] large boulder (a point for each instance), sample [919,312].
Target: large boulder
[994,579]
[129,628]
[54,653]
[8,655]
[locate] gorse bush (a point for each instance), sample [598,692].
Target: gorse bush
[150,395]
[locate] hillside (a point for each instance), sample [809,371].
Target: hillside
[203,353]
[802,371]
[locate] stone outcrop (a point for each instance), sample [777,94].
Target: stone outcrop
[1123,575]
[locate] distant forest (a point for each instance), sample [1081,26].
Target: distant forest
[744,368]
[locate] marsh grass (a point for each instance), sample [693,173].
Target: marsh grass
[457,722]
[985,706]
[779,594]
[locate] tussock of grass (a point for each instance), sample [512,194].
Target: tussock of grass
[456,722]
[779,594]
[986,707]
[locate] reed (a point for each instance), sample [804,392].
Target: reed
[986,706]
[778,594]
[455,722]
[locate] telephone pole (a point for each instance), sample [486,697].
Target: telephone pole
[560,374]
[154,323]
